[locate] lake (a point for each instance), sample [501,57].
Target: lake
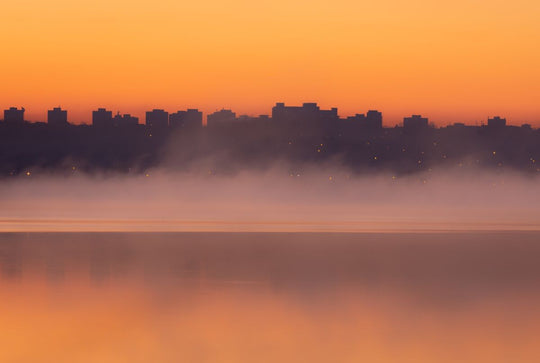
[270,297]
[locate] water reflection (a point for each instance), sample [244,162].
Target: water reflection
[213,297]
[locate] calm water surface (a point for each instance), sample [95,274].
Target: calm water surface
[270,297]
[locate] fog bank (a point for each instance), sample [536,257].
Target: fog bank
[307,200]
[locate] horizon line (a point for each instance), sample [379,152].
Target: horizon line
[239,116]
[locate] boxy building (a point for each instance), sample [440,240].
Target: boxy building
[14,115]
[190,119]
[102,118]
[57,117]
[415,122]
[157,119]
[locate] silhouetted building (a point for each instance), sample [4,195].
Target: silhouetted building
[371,121]
[157,119]
[102,118]
[328,115]
[220,117]
[190,119]
[359,117]
[306,112]
[415,122]
[14,115]
[374,119]
[253,120]
[125,120]
[496,122]
[57,117]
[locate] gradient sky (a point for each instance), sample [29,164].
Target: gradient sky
[463,60]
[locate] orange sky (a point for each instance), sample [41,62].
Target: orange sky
[463,60]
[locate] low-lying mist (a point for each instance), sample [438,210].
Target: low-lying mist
[279,199]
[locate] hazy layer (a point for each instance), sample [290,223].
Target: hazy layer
[272,201]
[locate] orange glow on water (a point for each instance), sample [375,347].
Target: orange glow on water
[274,298]
[232,325]
[453,61]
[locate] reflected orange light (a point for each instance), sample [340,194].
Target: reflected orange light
[118,323]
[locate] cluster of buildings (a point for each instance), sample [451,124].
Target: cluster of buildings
[155,119]
[103,118]
[308,111]
[193,118]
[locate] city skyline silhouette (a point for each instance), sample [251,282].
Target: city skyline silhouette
[296,136]
[18,113]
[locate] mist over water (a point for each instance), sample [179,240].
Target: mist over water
[278,199]
[453,278]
